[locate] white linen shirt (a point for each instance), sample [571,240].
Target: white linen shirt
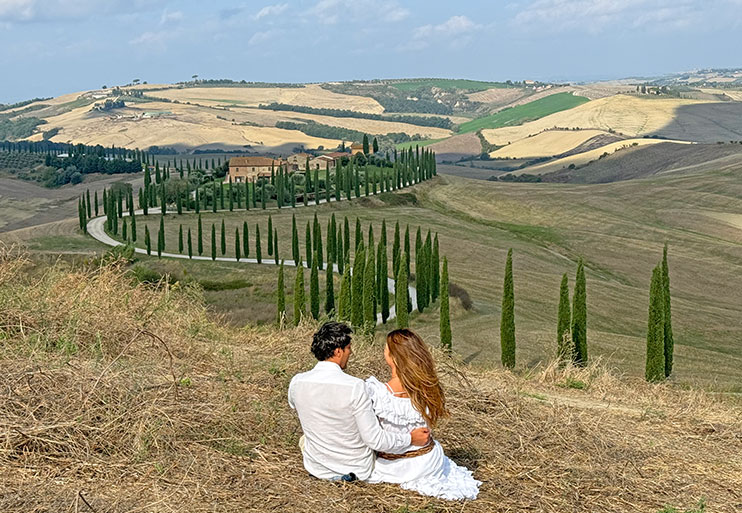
[341,431]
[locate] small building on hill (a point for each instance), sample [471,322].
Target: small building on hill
[298,161]
[322,162]
[357,148]
[243,169]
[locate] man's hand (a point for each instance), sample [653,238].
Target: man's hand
[420,437]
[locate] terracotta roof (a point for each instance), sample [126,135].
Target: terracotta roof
[338,154]
[254,162]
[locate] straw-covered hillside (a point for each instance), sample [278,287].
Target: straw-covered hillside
[122,397]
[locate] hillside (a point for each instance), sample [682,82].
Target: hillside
[132,397]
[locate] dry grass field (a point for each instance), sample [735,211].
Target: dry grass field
[584,157]
[619,229]
[311,95]
[627,115]
[546,144]
[119,398]
[186,126]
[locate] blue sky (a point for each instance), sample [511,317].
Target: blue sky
[51,47]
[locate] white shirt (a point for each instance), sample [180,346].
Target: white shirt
[340,428]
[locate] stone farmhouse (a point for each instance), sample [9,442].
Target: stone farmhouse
[243,169]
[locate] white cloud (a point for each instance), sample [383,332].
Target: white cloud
[271,10]
[262,37]
[331,12]
[170,17]
[57,10]
[595,15]
[453,26]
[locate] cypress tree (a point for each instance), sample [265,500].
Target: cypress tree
[270,235]
[400,297]
[258,252]
[147,242]
[308,244]
[231,197]
[295,242]
[160,242]
[329,248]
[275,244]
[507,323]
[88,209]
[445,317]
[669,341]
[436,268]
[317,236]
[200,240]
[162,231]
[346,239]
[340,252]
[329,286]
[237,244]
[96,203]
[382,275]
[396,250]
[655,366]
[579,317]
[190,244]
[359,234]
[178,203]
[564,320]
[369,291]
[344,304]
[314,289]
[317,193]
[356,294]
[123,228]
[421,272]
[213,241]
[428,248]
[245,240]
[281,297]
[332,245]
[407,249]
[221,196]
[223,239]
[299,296]
[180,239]
[262,194]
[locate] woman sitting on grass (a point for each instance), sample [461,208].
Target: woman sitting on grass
[413,398]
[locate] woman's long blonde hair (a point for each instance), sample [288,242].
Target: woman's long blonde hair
[416,371]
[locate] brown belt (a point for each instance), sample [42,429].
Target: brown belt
[410,454]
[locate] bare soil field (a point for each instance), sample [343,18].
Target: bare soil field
[457,147]
[497,96]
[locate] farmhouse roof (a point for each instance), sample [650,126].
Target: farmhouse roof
[338,154]
[253,162]
[357,146]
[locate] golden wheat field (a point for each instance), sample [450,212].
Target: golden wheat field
[587,156]
[311,95]
[546,144]
[181,125]
[626,115]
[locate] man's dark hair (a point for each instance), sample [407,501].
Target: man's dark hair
[331,336]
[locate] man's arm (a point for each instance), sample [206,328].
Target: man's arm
[368,425]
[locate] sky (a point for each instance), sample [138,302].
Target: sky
[52,47]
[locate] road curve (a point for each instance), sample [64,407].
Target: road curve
[96,229]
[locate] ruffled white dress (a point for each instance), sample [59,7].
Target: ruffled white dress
[433,473]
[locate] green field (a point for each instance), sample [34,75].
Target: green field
[523,113]
[618,229]
[448,83]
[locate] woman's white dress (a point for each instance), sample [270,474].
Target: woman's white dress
[432,473]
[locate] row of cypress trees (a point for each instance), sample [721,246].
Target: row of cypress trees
[571,323]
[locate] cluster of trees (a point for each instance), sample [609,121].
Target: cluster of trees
[572,321]
[86,164]
[109,104]
[433,121]
[19,128]
[363,297]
